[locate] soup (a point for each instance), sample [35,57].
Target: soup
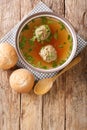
[57,36]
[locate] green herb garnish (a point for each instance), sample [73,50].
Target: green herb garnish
[70,47]
[68,55]
[26,27]
[56,35]
[49,38]
[44,20]
[33,20]
[23,39]
[70,38]
[49,21]
[62,62]
[39,38]
[30,59]
[62,25]
[44,67]
[25,55]
[31,41]
[22,43]
[54,64]
[30,49]
[41,66]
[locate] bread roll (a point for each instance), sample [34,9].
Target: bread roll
[8,56]
[21,80]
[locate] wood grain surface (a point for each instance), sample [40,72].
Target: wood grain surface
[65,106]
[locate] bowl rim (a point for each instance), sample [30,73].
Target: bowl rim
[55,16]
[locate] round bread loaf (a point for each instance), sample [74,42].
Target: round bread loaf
[8,56]
[21,80]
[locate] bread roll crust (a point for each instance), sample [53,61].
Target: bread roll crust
[8,56]
[21,80]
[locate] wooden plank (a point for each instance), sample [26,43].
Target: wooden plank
[76,99]
[31,105]
[56,5]
[76,79]
[54,101]
[54,106]
[27,6]
[31,112]
[9,100]
[77,15]
[9,104]
[9,15]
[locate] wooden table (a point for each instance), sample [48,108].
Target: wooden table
[65,106]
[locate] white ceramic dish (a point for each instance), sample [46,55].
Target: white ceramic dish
[65,22]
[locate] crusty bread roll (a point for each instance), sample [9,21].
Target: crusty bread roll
[8,56]
[21,80]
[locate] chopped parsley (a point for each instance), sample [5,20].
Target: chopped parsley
[41,66]
[49,38]
[56,35]
[62,25]
[30,59]
[70,47]
[44,67]
[33,20]
[70,38]
[62,62]
[31,41]
[68,55]
[30,49]
[22,43]
[26,27]
[49,21]
[54,64]
[44,20]
[25,55]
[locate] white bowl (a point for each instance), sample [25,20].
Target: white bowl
[65,22]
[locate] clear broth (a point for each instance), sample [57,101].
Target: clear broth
[60,39]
